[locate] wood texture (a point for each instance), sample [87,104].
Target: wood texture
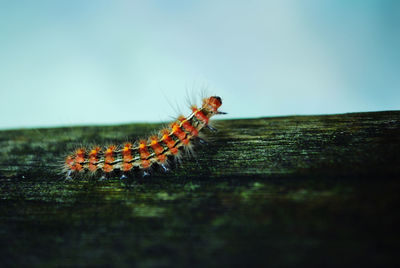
[279,191]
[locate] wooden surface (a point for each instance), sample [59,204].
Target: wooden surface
[279,191]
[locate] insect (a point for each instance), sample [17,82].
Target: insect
[144,156]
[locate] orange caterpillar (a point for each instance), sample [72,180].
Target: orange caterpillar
[142,157]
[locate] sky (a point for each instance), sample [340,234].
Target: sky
[65,63]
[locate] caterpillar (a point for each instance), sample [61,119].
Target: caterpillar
[146,155]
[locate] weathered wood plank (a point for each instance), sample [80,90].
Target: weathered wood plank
[279,191]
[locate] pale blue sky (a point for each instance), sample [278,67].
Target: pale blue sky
[107,62]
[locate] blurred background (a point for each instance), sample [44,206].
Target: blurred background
[110,62]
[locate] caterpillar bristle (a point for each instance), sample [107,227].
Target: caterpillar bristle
[158,153]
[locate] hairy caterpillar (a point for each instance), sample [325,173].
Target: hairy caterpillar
[143,156]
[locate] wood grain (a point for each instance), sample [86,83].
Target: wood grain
[278,191]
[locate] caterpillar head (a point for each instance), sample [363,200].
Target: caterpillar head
[212,104]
